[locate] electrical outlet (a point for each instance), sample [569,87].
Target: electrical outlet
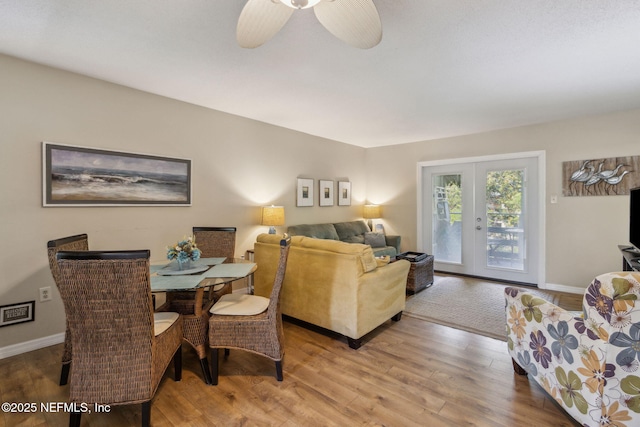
[45,294]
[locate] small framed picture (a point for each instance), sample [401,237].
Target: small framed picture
[305,192]
[326,192]
[17,313]
[344,193]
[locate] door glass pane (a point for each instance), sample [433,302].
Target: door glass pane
[504,213]
[447,218]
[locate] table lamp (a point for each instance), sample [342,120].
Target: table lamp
[371,212]
[272,216]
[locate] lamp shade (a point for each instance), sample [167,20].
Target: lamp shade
[371,212]
[272,215]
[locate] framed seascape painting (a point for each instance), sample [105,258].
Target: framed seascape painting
[79,176]
[305,192]
[344,193]
[326,193]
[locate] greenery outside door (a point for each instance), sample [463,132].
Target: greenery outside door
[481,218]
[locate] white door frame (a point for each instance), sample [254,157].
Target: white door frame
[541,214]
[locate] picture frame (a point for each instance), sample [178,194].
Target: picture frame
[11,314]
[304,192]
[344,193]
[325,190]
[81,176]
[612,176]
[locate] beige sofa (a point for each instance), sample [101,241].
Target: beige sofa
[350,232]
[338,286]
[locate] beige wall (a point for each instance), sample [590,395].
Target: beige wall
[582,233]
[238,165]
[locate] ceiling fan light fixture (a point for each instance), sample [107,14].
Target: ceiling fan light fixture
[355,22]
[300,4]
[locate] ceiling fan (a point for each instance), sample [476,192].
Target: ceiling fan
[355,22]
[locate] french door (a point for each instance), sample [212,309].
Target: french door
[482,218]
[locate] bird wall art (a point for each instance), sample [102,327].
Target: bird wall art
[600,177]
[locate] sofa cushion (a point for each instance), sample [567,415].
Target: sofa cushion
[359,238]
[385,251]
[347,230]
[274,239]
[375,240]
[363,252]
[318,231]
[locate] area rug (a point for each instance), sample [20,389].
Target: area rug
[472,305]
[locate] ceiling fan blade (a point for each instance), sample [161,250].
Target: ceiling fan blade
[259,21]
[355,22]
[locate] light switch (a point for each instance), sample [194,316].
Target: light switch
[554,199]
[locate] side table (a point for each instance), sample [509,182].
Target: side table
[420,275]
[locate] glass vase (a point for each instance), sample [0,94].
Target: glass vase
[184,265]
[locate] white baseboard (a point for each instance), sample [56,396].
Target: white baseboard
[564,288]
[24,347]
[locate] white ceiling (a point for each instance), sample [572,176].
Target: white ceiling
[443,68]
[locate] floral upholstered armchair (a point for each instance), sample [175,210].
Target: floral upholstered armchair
[588,362]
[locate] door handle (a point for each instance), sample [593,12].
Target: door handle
[478,227]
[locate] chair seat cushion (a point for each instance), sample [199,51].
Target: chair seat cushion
[163,321]
[240,305]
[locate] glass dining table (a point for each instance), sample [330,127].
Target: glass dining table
[203,273]
[184,290]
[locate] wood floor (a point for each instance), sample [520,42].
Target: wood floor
[408,373]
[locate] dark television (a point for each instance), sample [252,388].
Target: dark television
[634,218]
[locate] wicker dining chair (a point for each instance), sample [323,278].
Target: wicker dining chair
[213,242]
[121,348]
[216,242]
[79,242]
[250,322]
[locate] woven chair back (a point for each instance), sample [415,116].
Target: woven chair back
[274,299]
[79,242]
[107,298]
[216,242]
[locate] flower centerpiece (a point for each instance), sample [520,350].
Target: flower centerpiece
[184,252]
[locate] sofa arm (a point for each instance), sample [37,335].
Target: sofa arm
[393,241]
[551,344]
[588,365]
[381,294]
[532,323]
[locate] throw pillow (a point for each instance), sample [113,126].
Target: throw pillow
[375,240]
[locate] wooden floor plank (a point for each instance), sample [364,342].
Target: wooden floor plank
[410,372]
